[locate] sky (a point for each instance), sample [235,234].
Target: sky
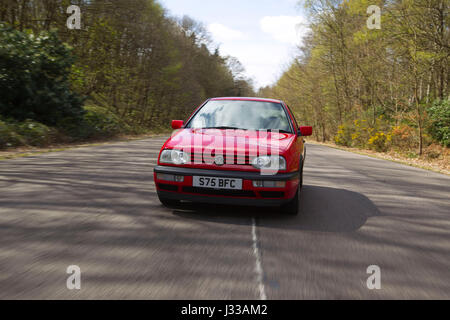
[262,34]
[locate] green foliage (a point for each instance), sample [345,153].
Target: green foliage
[27,133]
[138,67]
[439,127]
[34,78]
[8,136]
[99,121]
[35,133]
[346,72]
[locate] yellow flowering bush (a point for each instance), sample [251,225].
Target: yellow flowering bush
[379,141]
[344,136]
[363,134]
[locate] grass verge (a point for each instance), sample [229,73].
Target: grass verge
[440,165]
[25,151]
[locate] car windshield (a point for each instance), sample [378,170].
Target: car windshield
[241,114]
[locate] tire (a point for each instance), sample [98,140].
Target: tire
[292,207]
[169,203]
[301,179]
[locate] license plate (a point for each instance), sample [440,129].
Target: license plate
[217,183]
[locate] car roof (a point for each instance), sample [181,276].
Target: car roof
[247,99]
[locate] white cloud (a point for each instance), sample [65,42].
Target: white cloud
[286,29]
[267,46]
[263,61]
[223,33]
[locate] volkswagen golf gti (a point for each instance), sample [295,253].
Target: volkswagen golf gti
[240,151]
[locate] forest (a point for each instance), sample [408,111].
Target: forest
[129,70]
[132,67]
[381,89]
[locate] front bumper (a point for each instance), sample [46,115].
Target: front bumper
[249,195]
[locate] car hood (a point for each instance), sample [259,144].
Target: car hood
[230,141]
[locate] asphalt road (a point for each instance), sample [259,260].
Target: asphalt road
[96,207]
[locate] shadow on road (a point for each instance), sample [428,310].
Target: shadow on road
[321,209]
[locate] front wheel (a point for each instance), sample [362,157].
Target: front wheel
[292,207]
[301,179]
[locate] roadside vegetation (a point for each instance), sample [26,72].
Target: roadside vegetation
[129,70]
[385,90]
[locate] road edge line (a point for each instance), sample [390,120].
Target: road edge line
[373,156]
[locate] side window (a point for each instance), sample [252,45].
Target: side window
[293,116]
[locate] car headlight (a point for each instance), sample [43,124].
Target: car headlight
[174,157]
[269,162]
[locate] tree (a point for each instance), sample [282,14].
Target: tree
[370,82]
[34,75]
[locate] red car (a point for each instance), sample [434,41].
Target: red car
[242,151]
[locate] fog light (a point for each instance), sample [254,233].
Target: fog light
[274,184]
[165,177]
[169,177]
[269,184]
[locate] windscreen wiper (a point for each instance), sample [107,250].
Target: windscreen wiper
[225,128]
[279,131]
[235,128]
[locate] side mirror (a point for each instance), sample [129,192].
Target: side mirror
[177,124]
[305,131]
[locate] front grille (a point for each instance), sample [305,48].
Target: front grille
[271,194]
[227,193]
[237,159]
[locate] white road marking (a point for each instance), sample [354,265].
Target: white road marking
[258,266]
